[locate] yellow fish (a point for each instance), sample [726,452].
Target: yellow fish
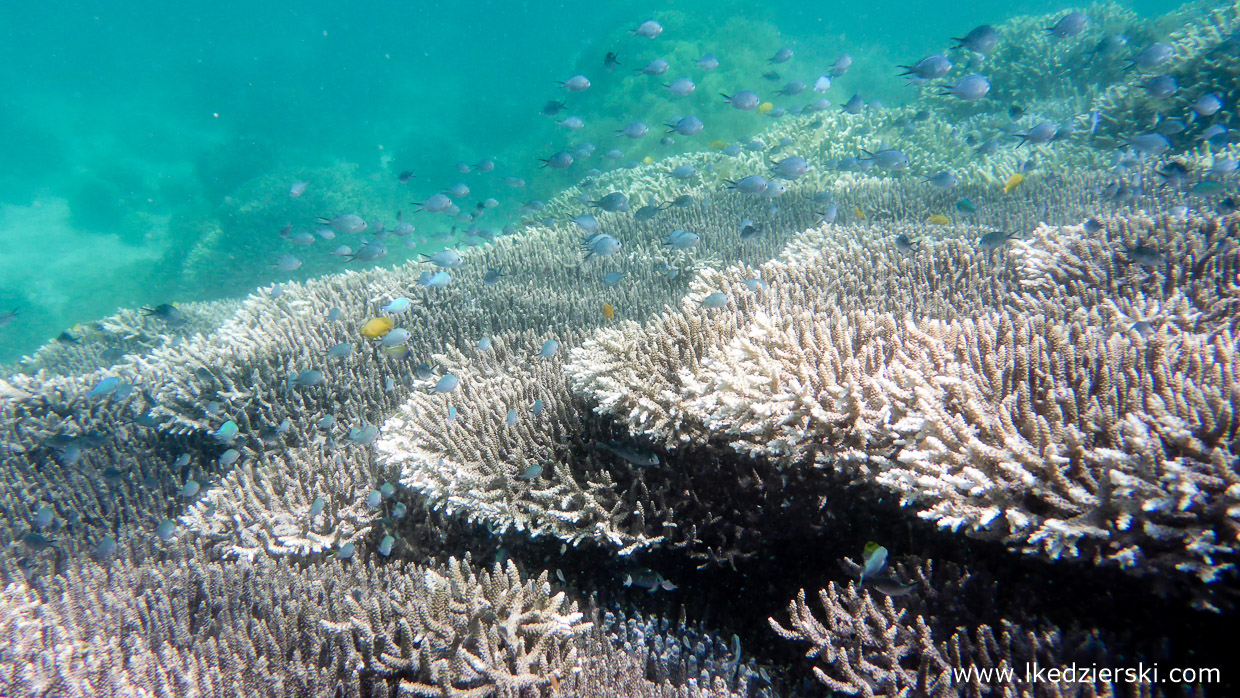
[1013,182]
[399,351]
[609,311]
[858,212]
[717,145]
[938,219]
[765,107]
[647,159]
[377,327]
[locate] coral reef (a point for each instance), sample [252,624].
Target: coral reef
[871,644]
[128,332]
[508,458]
[1202,56]
[268,497]
[182,624]
[1010,424]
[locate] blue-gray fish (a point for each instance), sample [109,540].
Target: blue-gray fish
[1109,46]
[1043,132]
[1149,143]
[600,245]
[931,67]
[105,387]
[634,130]
[714,300]
[681,87]
[397,306]
[749,229]
[531,473]
[655,68]
[745,100]
[349,223]
[791,167]
[1069,25]
[645,213]
[648,29]
[446,259]
[685,171]
[1161,86]
[363,436]
[840,66]
[549,348]
[889,159]
[437,280]
[970,88]
[306,378]
[681,240]
[615,202]
[446,384]
[1207,104]
[370,252]
[1153,56]
[792,88]
[994,240]
[577,83]
[586,222]
[686,126]
[559,161]
[631,453]
[492,276]
[752,184]
[944,180]
[981,39]
[436,203]
[395,337]
[1146,256]
[287,262]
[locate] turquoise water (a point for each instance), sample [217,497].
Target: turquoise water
[967,366]
[148,150]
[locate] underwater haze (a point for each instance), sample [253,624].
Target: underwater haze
[696,349]
[137,140]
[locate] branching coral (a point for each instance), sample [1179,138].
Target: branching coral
[181,624]
[1058,436]
[534,473]
[874,645]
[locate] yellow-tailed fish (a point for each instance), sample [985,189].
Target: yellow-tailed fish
[938,219]
[717,145]
[1013,182]
[647,159]
[609,311]
[858,212]
[377,327]
[765,107]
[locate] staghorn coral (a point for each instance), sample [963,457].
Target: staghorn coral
[181,624]
[1013,425]
[1203,56]
[108,341]
[526,475]
[467,634]
[680,652]
[876,645]
[264,507]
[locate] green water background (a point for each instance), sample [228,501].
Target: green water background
[148,147]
